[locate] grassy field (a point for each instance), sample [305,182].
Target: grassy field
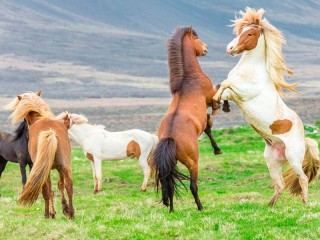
[234,188]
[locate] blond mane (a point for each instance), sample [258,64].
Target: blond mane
[274,40]
[25,103]
[78,119]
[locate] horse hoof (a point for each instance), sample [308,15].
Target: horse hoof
[272,203]
[143,189]
[226,109]
[200,208]
[97,192]
[217,152]
[66,212]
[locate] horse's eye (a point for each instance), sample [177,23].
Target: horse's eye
[250,35]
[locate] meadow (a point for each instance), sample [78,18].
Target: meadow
[234,188]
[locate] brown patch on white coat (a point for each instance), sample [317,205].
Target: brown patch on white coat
[90,157]
[281,126]
[133,149]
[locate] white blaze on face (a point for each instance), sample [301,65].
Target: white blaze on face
[232,46]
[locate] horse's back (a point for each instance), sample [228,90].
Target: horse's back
[186,114]
[61,133]
[143,138]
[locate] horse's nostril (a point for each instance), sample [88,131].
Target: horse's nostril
[231,47]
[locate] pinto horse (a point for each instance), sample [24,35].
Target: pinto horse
[186,117]
[99,144]
[49,147]
[256,85]
[14,148]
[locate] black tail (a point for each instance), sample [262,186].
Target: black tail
[164,163]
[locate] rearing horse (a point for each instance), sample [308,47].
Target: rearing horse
[256,84]
[49,147]
[186,117]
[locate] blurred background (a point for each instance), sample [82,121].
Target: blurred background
[108,59]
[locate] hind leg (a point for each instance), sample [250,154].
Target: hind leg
[273,159]
[69,188]
[295,159]
[146,171]
[46,197]
[61,186]
[193,169]
[52,210]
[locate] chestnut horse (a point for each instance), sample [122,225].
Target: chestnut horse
[14,148]
[256,84]
[49,148]
[186,117]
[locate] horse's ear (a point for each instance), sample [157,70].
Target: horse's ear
[257,22]
[190,31]
[19,97]
[66,117]
[39,93]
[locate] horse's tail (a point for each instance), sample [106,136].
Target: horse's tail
[310,167]
[164,163]
[46,151]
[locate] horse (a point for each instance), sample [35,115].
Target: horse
[50,148]
[256,84]
[186,117]
[14,148]
[99,144]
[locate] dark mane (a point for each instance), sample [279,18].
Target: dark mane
[21,130]
[175,58]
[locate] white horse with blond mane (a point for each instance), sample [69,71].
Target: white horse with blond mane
[99,144]
[256,84]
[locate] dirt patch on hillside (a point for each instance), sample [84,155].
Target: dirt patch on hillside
[146,113]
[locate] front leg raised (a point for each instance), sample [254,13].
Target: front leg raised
[225,84]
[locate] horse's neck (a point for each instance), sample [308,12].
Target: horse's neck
[79,132]
[32,117]
[191,65]
[253,58]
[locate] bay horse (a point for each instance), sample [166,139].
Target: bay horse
[186,117]
[99,144]
[256,85]
[14,148]
[49,147]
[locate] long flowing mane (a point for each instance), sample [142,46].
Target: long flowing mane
[175,58]
[28,102]
[276,64]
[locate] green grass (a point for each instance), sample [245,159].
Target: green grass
[234,188]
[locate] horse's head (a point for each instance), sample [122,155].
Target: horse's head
[29,106]
[69,119]
[200,47]
[248,30]
[65,118]
[246,41]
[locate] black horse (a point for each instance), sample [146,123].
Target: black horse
[14,148]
